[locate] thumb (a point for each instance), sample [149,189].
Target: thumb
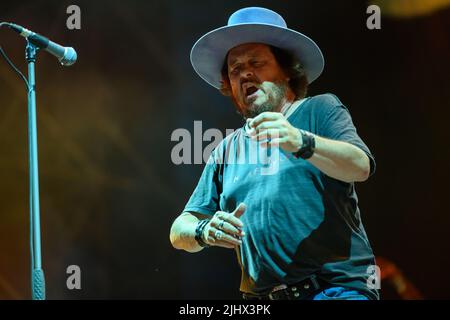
[239,211]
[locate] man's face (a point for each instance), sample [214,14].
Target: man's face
[258,83]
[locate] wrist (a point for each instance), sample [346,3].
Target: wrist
[199,233]
[307,145]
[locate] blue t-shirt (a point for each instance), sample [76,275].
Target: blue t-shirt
[298,221]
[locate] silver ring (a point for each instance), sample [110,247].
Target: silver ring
[221,223]
[218,234]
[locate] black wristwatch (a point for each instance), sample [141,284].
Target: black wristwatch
[308,145]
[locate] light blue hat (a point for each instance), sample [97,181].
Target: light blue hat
[259,25]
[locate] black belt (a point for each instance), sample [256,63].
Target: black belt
[296,291]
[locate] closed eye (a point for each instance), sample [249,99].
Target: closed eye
[258,64]
[235,68]
[234,71]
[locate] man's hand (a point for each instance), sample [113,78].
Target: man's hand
[273,129]
[225,229]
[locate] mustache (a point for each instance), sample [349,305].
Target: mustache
[253,80]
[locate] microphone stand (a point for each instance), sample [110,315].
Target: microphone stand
[37,274]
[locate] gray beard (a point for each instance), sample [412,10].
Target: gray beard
[273,104]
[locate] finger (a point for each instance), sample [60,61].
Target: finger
[228,217]
[270,133]
[218,243]
[225,237]
[265,116]
[268,125]
[273,143]
[231,240]
[230,229]
[239,211]
[221,224]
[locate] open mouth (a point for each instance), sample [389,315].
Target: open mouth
[250,90]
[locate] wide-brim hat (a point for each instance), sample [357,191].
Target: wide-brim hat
[253,25]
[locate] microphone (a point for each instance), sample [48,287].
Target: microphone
[66,55]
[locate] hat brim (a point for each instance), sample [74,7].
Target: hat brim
[209,52]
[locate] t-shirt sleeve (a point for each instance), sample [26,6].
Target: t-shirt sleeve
[337,124]
[205,198]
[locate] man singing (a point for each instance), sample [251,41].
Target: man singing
[297,228]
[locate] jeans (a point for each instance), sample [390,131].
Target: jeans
[339,293]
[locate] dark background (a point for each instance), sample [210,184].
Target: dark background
[109,190]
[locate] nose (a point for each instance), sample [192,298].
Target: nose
[247,73]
